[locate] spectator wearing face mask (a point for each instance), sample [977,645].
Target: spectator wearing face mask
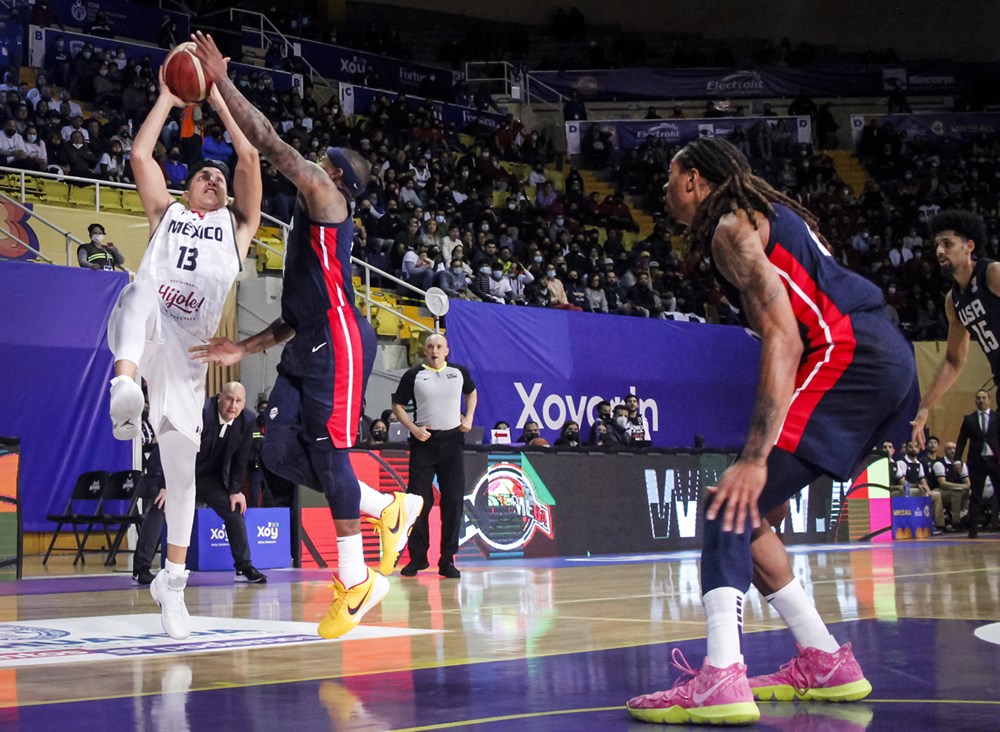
[379,434]
[569,436]
[454,281]
[96,254]
[12,145]
[481,284]
[559,299]
[175,170]
[530,432]
[36,156]
[215,146]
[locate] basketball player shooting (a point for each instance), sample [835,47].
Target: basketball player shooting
[195,251]
[315,405]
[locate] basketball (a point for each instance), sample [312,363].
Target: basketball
[184,75]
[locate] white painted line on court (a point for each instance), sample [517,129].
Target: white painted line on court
[72,640]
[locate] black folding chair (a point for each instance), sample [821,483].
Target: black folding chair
[87,494]
[121,507]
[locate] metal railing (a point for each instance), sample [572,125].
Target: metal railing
[513,76]
[264,27]
[70,238]
[284,228]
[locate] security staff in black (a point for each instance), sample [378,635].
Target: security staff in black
[226,439]
[436,443]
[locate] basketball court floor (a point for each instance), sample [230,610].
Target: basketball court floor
[513,645]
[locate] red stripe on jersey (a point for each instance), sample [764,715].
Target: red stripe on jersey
[830,345]
[348,356]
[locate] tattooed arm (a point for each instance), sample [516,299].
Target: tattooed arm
[738,251]
[310,179]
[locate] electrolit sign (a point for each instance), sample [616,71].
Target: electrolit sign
[508,505]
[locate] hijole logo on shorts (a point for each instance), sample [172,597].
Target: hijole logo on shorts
[187,303]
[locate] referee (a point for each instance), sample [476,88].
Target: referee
[436,443]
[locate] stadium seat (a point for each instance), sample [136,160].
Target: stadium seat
[53,191]
[83,196]
[82,510]
[130,200]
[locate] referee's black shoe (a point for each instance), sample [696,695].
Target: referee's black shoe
[142,576]
[252,575]
[411,569]
[449,571]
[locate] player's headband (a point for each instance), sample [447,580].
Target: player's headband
[351,180]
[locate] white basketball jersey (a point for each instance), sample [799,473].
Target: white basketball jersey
[192,261]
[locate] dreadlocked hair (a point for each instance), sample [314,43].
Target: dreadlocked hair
[734,187]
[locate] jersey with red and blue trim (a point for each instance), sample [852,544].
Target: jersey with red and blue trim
[317,270]
[824,297]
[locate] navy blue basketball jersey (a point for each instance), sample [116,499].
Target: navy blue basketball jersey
[825,299]
[317,270]
[978,309]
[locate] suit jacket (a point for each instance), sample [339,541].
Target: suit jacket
[972,432]
[237,445]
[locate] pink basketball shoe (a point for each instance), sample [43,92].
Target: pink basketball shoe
[817,675]
[712,696]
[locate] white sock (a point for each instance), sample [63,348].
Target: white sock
[724,609]
[175,570]
[373,502]
[351,560]
[802,618]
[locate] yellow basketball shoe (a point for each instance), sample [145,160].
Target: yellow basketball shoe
[394,526]
[350,605]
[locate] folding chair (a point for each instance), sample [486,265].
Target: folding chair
[87,493]
[121,507]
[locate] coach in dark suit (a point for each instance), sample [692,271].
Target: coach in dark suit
[226,441]
[981,430]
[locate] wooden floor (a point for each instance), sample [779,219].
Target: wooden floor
[519,644]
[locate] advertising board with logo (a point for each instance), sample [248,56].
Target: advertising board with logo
[269,532]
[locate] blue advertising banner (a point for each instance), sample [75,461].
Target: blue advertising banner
[126,18]
[844,80]
[939,126]
[41,40]
[551,366]
[357,100]
[269,532]
[346,64]
[629,133]
[911,518]
[57,367]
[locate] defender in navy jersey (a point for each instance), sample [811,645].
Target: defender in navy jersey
[973,310]
[315,405]
[834,373]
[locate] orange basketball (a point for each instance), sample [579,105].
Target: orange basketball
[184,75]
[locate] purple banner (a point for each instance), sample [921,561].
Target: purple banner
[357,100]
[531,363]
[627,134]
[851,80]
[345,64]
[951,127]
[57,366]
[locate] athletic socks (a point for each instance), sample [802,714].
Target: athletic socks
[373,502]
[802,618]
[724,610]
[351,567]
[174,570]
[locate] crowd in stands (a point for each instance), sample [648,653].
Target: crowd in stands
[491,214]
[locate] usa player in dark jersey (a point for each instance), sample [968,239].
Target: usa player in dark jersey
[973,309]
[315,405]
[834,372]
